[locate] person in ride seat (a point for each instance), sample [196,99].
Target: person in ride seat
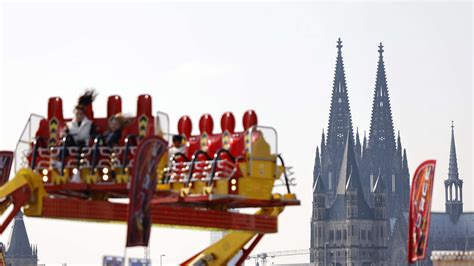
[116,124]
[81,129]
[78,131]
[178,146]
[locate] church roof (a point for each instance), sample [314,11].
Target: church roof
[349,174]
[19,245]
[444,231]
[349,180]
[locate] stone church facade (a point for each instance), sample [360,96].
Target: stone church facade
[361,188]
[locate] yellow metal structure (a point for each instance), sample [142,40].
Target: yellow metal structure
[35,185]
[57,178]
[221,252]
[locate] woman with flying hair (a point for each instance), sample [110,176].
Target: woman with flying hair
[81,129]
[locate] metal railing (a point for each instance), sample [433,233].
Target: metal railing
[162,125]
[250,134]
[26,138]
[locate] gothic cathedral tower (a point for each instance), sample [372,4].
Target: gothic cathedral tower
[453,185]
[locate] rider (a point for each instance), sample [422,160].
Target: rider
[178,146]
[81,128]
[116,124]
[78,131]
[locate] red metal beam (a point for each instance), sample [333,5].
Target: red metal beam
[188,216]
[230,201]
[18,198]
[246,251]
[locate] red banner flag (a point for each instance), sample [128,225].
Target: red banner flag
[6,160]
[420,210]
[143,185]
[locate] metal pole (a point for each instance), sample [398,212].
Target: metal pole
[161,259]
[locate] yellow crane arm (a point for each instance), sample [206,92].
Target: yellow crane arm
[221,252]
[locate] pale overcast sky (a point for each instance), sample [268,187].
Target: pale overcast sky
[276,58]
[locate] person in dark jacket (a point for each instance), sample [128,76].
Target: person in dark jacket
[113,134]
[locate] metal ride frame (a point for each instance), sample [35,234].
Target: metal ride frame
[185,201]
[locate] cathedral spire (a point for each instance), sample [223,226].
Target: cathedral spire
[398,156]
[453,185]
[381,136]
[453,161]
[399,144]
[317,166]
[323,142]
[340,121]
[358,147]
[364,142]
[406,171]
[19,244]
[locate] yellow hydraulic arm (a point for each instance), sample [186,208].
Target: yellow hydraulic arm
[221,252]
[25,187]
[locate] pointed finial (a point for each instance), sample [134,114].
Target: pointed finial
[453,161]
[399,143]
[380,49]
[339,45]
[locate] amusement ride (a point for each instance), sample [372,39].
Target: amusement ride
[141,182]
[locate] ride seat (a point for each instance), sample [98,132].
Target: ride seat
[56,122]
[238,145]
[114,106]
[142,125]
[210,143]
